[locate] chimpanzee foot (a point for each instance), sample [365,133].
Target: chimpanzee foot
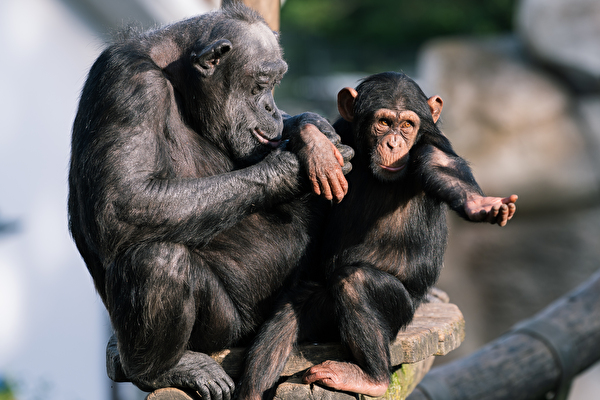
[344,376]
[196,372]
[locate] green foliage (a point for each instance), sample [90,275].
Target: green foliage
[367,35]
[6,396]
[6,392]
[396,21]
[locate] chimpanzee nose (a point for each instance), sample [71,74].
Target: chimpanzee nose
[393,141]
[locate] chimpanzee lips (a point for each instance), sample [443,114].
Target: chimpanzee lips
[393,169]
[262,138]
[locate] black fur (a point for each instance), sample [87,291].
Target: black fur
[382,248]
[188,222]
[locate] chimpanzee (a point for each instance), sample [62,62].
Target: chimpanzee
[187,210]
[382,247]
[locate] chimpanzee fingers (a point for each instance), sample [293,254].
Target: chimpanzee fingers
[493,214]
[225,391]
[338,155]
[502,217]
[480,216]
[218,389]
[339,186]
[508,212]
[343,182]
[510,199]
[346,168]
[326,189]
[315,183]
[512,208]
[203,392]
[215,391]
[317,188]
[227,387]
[347,152]
[331,185]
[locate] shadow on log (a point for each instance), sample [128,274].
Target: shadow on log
[537,359]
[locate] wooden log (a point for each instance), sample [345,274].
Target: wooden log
[403,380]
[269,9]
[531,360]
[172,394]
[437,328]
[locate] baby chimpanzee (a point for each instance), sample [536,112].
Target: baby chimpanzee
[383,246]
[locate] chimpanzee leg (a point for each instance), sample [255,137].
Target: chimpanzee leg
[268,354]
[151,303]
[304,313]
[371,307]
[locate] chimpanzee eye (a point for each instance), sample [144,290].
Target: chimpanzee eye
[385,122]
[261,85]
[258,89]
[407,124]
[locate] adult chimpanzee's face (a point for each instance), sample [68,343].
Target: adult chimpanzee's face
[256,121]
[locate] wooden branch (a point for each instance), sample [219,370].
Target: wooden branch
[523,364]
[436,329]
[269,9]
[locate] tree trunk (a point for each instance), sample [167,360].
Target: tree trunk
[269,9]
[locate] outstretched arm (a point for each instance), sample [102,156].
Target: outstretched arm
[448,177]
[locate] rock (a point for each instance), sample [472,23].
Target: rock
[566,35]
[523,133]
[588,113]
[511,121]
[513,272]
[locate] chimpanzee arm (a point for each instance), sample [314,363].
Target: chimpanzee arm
[448,177]
[193,210]
[131,162]
[321,153]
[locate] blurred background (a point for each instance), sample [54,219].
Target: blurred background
[521,85]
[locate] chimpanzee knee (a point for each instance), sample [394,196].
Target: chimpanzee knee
[371,307]
[377,294]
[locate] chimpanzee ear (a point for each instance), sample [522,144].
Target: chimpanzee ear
[209,57]
[345,101]
[435,105]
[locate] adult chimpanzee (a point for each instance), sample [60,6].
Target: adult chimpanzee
[188,214]
[383,246]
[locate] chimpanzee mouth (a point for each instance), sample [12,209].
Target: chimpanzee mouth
[393,169]
[262,138]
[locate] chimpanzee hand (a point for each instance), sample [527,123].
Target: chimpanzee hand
[283,169]
[495,210]
[321,153]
